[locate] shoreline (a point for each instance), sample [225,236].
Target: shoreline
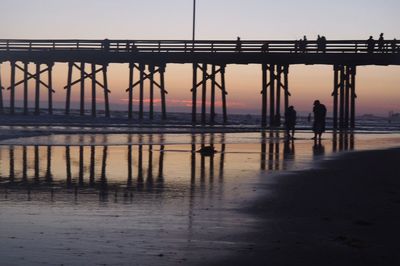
[26,131]
[344,211]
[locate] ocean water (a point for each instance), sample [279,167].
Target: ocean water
[146,198]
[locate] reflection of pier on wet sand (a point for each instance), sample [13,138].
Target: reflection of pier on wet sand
[86,169]
[155,200]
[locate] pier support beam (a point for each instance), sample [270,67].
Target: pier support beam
[105,90]
[130,90]
[215,70]
[12,88]
[163,92]
[204,94]
[264,96]
[275,78]
[82,89]
[279,71]
[153,70]
[194,94]
[141,89]
[94,111]
[335,94]
[344,89]
[212,107]
[68,88]
[223,95]
[38,83]
[272,95]
[37,89]
[83,76]
[341,97]
[151,102]
[26,70]
[50,90]
[353,97]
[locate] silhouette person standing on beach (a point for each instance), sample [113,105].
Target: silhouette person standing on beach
[319,111]
[370,44]
[381,43]
[290,121]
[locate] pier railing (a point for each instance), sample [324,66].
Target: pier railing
[201,46]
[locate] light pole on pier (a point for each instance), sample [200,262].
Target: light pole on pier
[194,21]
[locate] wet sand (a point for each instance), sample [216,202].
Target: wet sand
[118,199]
[345,211]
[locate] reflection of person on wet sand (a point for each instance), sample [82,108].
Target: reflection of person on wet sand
[318,149]
[288,149]
[319,111]
[290,121]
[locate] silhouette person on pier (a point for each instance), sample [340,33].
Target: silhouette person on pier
[131,47]
[318,43]
[106,45]
[319,111]
[238,44]
[290,121]
[265,47]
[303,44]
[297,46]
[381,43]
[393,44]
[370,44]
[321,44]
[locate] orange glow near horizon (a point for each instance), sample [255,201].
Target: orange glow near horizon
[378,88]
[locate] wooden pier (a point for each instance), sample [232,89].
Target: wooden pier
[209,59]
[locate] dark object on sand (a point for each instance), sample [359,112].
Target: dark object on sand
[207,151]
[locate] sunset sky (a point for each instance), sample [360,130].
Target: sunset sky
[378,88]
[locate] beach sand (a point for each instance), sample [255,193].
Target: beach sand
[240,207]
[345,211]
